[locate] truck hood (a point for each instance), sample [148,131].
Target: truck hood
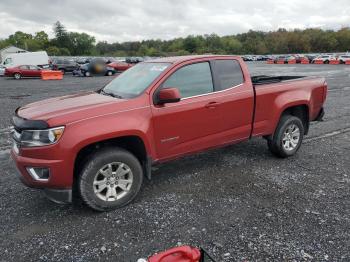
[70,108]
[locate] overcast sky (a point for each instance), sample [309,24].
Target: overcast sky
[128,20]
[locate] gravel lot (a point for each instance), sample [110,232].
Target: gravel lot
[240,203]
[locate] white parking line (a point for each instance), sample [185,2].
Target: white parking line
[334,133]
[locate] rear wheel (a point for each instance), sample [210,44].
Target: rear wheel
[17,76]
[109,73]
[326,62]
[87,73]
[111,178]
[288,136]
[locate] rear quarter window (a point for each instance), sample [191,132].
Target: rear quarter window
[228,74]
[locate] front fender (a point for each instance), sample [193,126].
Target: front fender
[89,131]
[82,133]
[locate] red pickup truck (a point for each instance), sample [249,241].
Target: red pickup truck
[101,144]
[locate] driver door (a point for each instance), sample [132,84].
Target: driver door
[186,126]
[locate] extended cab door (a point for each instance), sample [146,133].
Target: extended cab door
[186,126]
[236,97]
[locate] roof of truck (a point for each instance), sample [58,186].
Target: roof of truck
[179,59]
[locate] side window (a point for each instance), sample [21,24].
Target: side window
[8,61]
[24,67]
[31,67]
[191,80]
[229,73]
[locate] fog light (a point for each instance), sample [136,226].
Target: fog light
[39,173]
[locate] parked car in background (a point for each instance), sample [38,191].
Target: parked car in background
[263,58]
[120,66]
[324,58]
[300,58]
[134,60]
[311,57]
[279,59]
[284,59]
[270,57]
[97,66]
[2,70]
[344,58]
[28,58]
[82,60]
[23,71]
[247,58]
[64,65]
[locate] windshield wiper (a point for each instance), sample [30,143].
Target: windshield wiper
[110,94]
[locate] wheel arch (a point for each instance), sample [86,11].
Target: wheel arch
[298,110]
[132,143]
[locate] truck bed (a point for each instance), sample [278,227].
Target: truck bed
[264,79]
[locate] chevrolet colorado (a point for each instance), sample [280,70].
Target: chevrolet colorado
[101,144]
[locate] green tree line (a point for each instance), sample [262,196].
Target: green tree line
[281,41]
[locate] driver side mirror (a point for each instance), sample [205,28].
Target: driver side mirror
[168,95]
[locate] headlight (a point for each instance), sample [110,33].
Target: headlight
[30,138]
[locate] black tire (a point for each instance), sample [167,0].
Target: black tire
[326,62]
[109,73]
[87,74]
[91,168]
[62,70]
[275,143]
[17,76]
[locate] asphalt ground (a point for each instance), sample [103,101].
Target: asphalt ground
[240,203]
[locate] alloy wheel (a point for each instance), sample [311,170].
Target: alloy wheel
[113,181]
[291,137]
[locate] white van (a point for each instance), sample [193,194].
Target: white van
[29,58]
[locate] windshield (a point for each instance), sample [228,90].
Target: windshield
[135,80]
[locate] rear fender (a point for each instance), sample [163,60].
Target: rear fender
[288,100]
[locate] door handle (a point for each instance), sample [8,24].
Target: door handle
[212,105]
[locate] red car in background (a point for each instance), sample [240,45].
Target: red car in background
[23,71]
[120,66]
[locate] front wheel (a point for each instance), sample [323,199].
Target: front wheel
[111,178]
[87,73]
[288,137]
[17,76]
[326,62]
